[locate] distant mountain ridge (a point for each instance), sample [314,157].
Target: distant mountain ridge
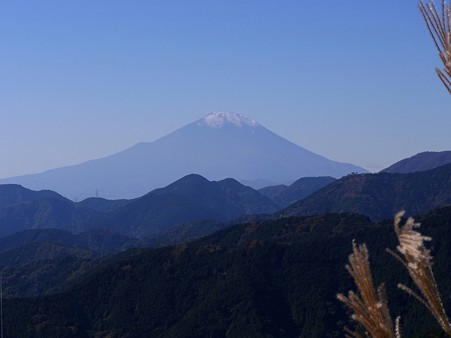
[14,193]
[380,195]
[420,162]
[285,195]
[193,199]
[22,209]
[190,199]
[218,146]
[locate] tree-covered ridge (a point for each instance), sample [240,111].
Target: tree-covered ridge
[420,162]
[381,195]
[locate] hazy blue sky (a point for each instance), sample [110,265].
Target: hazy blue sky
[351,80]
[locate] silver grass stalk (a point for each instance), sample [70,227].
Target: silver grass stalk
[438,24]
[368,305]
[418,261]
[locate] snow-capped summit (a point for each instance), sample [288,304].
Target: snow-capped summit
[219,119]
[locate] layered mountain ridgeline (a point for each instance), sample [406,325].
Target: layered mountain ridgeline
[285,195]
[381,195]
[54,258]
[189,199]
[192,198]
[274,278]
[11,194]
[21,209]
[420,162]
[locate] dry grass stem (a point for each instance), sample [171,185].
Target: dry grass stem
[369,306]
[439,29]
[418,261]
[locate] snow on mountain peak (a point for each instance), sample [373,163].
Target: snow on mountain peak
[219,119]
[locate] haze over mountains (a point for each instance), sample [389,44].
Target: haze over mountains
[219,146]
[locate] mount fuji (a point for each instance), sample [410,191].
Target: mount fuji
[218,146]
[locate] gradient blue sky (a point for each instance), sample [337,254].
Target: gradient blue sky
[351,80]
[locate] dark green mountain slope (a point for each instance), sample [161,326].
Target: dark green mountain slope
[38,251]
[46,268]
[25,237]
[45,276]
[36,262]
[41,261]
[285,195]
[182,233]
[265,279]
[101,242]
[380,195]
[187,200]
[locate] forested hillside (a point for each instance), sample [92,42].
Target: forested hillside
[273,278]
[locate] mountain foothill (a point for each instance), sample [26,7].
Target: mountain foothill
[188,243]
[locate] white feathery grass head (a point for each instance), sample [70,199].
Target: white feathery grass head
[438,23]
[369,305]
[411,242]
[418,261]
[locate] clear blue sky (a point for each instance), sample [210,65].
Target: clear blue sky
[353,81]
